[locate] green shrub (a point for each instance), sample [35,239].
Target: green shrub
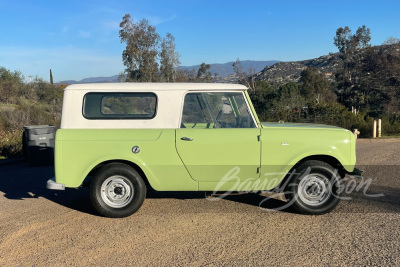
[391,125]
[330,114]
[14,118]
[11,143]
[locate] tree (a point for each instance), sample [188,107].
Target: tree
[10,84]
[203,74]
[315,87]
[7,91]
[263,99]
[347,43]
[362,37]
[51,78]
[169,62]
[140,54]
[289,104]
[391,40]
[349,73]
[245,78]
[343,40]
[379,80]
[14,76]
[186,75]
[369,78]
[45,91]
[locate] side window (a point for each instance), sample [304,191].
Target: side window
[216,110]
[222,110]
[119,105]
[195,113]
[246,120]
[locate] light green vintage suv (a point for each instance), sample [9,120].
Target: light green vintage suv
[125,138]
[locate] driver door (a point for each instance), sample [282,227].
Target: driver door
[218,137]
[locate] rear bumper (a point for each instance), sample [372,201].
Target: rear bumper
[356,172]
[51,184]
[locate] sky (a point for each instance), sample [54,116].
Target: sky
[80,39]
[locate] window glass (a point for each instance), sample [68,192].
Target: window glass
[216,110]
[195,113]
[120,105]
[246,120]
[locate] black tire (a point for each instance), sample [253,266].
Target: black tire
[315,188]
[117,190]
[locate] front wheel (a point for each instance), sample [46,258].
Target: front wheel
[117,190]
[314,189]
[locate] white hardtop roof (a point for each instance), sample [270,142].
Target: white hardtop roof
[157,86]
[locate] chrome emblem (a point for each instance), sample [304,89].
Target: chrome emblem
[136,149]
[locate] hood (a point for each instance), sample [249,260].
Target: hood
[298,125]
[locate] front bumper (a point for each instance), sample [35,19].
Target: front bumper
[51,184]
[356,172]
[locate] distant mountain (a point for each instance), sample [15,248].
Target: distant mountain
[222,70]
[226,69]
[283,72]
[100,79]
[112,79]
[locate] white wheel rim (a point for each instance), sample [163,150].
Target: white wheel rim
[314,189]
[117,191]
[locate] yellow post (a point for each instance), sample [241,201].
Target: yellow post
[374,130]
[379,127]
[356,133]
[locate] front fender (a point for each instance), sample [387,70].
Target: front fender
[284,147]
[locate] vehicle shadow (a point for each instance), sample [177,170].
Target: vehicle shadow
[266,203]
[20,181]
[252,199]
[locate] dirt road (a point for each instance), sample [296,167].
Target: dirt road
[39,227]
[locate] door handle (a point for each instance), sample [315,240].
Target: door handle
[186,139]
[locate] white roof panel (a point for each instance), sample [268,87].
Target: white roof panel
[156,86]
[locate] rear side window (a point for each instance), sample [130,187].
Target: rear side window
[120,106]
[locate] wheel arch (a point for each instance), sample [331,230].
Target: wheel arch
[126,162]
[334,162]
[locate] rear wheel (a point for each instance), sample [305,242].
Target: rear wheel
[314,189]
[117,190]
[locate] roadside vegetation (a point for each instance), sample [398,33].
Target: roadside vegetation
[34,103]
[366,86]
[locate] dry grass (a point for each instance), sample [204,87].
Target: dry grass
[11,144]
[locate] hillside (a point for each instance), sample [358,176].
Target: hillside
[283,72]
[226,69]
[223,70]
[111,79]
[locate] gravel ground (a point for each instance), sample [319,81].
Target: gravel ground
[39,227]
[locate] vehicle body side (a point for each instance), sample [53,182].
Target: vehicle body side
[284,147]
[79,151]
[83,145]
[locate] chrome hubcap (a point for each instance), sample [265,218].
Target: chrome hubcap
[117,191]
[314,189]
